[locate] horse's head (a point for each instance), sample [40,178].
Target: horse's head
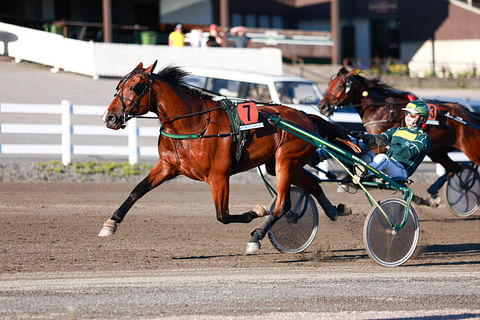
[133,97]
[339,90]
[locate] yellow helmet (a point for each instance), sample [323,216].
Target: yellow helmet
[419,107]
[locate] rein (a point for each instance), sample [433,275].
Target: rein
[141,89]
[371,104]
[202,132]
[189,115]
[376,104]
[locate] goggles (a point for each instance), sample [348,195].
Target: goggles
[411,114]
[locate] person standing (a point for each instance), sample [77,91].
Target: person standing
[176,37]
[196,38]
[240,38]
[214,40]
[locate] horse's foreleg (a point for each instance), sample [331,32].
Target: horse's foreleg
[160,173]
[437,185]
[220,189]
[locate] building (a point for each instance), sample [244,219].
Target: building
[440,36]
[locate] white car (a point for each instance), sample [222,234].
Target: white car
[299,93]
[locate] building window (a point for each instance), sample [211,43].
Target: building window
[264,21]
[277,22]
[250,20]
[237,19]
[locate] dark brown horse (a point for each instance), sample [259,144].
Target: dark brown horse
[380,108]
[199,138]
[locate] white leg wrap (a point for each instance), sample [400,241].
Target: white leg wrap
[252,247]
[260,210]
[108,229]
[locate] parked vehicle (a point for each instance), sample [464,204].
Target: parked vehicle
[296,92]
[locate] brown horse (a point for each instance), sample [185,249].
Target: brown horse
[380,108]
[199,138]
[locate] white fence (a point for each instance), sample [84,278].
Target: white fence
[116,59]
[66,130]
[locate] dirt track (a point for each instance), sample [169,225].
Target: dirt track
[50,227]
[171,258]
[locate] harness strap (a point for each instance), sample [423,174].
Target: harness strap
[370,123]
[239,137]
[350,144]
[193,135]
[459,120]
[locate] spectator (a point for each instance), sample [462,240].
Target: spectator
[214,39]
[176,37]
[239,37]
[196,38]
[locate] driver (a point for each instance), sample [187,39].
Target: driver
[408,145]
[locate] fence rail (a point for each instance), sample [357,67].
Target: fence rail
[66,130]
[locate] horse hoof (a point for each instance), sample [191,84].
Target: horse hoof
[252,247]
[108,229]
[343,210]
[259,210]
[433,203]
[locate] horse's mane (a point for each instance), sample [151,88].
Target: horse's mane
[375,83]
[176,77]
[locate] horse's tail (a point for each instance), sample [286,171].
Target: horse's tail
[335,133]
[329,130]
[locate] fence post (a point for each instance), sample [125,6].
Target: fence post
[66,133]
[132,141]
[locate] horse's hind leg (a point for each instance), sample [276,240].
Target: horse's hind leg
[297,176]
[160,173]
[282,204]
[306,181]
[451,167]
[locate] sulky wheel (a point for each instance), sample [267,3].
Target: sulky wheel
[387,247]
[296,229]
[462,191]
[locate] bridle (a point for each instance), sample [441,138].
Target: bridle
[348,88]
[140,89]
[144,87]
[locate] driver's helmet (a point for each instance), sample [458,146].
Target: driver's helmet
[420,107]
